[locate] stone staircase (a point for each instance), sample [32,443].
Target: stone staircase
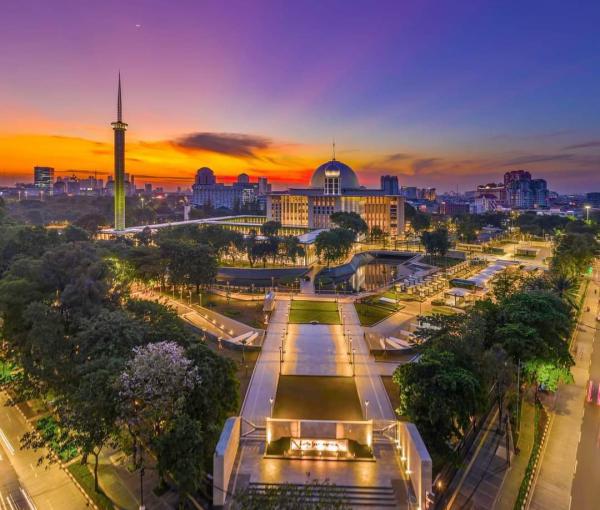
[354,496]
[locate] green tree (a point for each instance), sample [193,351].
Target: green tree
[270,228]
[179,451]
[420,221]
[439,396]
[335,244]
[350,221]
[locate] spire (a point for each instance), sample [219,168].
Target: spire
[119,106]
[333,159]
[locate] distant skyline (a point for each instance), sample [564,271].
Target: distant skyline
[441,93]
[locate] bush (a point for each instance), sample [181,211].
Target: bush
[56,439]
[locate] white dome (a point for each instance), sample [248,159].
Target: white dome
[348,177]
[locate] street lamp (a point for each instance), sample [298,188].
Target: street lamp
[271,400]
[587,211]
[366,410]
[353,363]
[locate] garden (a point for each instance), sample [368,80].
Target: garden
[307,312]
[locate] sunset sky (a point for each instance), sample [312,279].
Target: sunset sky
[442,93]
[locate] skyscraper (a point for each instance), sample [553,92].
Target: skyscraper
[119,128]
[389,184]
[43,177]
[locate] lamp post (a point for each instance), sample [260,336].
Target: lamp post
[353,363]
[271,400]
[587,212]
[366,409]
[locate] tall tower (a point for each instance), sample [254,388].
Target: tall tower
[119,127]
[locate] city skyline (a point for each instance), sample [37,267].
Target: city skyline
[449,96]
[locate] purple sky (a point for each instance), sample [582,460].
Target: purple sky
[444,93]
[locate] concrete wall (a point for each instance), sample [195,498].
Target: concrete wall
[416,461]
[223,459]
[361,431]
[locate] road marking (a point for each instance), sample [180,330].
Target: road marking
[6,442]
[10,503]
[28,499]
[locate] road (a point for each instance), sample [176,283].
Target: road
[585,492]
[23,484]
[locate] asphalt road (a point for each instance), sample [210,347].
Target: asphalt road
[23,484]
[585,491]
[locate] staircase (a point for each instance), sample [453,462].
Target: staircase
[355,497]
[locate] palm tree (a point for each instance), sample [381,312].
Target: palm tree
[565,287]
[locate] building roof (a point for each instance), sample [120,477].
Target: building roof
[349,180]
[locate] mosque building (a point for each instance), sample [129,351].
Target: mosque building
[334,187]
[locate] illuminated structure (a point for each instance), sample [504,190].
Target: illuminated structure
[334,187]
[119,128]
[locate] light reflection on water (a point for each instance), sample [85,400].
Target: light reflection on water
[373,275]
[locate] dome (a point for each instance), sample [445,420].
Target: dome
[349,179]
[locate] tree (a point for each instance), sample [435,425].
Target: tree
[334,244]
[91,222]
[377,234]
[466,227]
[270,228]
[154,385]
[350,221]
[420,221]
[144,237]
[292,248]
[73,234]
[179,452]
[535,325]
[439,396]
[547,375]
[436,242]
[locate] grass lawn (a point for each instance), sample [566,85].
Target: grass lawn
[304,312]
[84,476]
[392,389]
[317,398]
[443,310]
[373,311]
[248,312]
[403,296]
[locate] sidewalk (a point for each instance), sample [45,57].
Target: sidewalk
[555,478]
[514,476]
[476,485]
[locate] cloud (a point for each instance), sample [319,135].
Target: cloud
[537,158]
[230,144]
[584,145]
[424,163]
[398,156]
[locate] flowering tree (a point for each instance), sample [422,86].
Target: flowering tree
[153,388]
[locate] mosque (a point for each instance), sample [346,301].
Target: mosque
[334,187]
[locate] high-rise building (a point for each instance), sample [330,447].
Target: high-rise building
[43,177]
[389,184]
[593,199]
[119,127]
[206,191]
[523,192]
[264,187]
[148,188]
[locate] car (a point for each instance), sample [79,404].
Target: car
[590,392]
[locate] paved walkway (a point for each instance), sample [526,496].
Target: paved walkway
[514,476]
[559,461]
[368,382]
[477,484]
[263,385]
[316,349]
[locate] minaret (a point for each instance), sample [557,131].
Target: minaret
[119,128]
